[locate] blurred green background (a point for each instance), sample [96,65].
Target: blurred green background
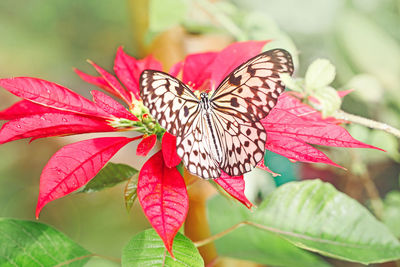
[46,38]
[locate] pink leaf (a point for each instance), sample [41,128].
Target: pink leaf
[168,147]
[231,57]
[128,69]
[234,185]
[96,80]
[262,166]
[24,108]
[296,150]
[117,89]
[51,95]
[344,92]
[146,145]
[51,124]
[163,197]
[109,105]
[74,165]
[196,69]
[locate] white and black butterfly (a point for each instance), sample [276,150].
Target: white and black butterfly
[223,131]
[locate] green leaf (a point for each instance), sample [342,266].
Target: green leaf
[130,192]
[370,48]
[147,249]
[291,83]
[27,243]
[163,14]
[319,74]
[250,243]
[315,216]
[111,175]
[391,212]
[329,100]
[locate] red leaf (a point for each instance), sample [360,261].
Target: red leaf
[168,147]
[51,124]
[284,121]
[231,57]
[196,69]
[234,185]
[74,165]
[128,69]
[294,149]
[109,105]
[116,87]
[24,108]
[96,80]
[163,197]
[146,145]
[262,166]
[51,95]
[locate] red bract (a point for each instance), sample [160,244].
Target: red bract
[162,194]
[48,109]
[74,165]
[234,185]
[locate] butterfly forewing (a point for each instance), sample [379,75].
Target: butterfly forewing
[169,101]
[252,89]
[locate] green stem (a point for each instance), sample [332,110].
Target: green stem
[340,114]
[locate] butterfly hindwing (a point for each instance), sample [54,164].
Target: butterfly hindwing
[243,143]
[252,89]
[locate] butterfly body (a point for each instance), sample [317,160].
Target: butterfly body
[223,131]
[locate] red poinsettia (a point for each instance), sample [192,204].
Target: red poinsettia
[48,109]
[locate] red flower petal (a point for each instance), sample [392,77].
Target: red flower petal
[294,149]
[109,105]
[74,165]
[51,95]
[128,69]
[24,108]
[146,145]
[262,166]
[51,124]
[163,197]
[96,80]
[168,147]
[196,69]
[117,89]
[234,185]
[231,57]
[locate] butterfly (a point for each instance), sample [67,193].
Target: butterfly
[221,131]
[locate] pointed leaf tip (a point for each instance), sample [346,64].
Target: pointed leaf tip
[234,186]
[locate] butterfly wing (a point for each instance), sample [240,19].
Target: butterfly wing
[252,89]
[177,109]
[242,142]
[194,148]
[169,101]
[243,98]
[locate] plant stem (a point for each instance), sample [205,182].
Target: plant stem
[196,224]
[87,256]
[340,114]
